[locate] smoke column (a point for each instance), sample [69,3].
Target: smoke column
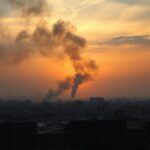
[48,41]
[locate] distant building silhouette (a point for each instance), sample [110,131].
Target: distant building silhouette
[97,103]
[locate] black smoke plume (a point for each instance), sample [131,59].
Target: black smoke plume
[48,41]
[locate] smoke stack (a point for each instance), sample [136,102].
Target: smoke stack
[78,80]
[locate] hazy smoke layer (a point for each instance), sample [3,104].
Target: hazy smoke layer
[61,87]
[46,41]
[29,8]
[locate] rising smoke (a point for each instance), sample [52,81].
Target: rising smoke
[46,41]
[28,8]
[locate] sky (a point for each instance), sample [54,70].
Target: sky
[112,34]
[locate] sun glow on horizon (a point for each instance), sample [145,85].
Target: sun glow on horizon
[115,34]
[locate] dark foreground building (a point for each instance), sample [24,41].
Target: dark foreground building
[78,135]
[18,136]
[96,135]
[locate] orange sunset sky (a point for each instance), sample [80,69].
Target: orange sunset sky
[118,39]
